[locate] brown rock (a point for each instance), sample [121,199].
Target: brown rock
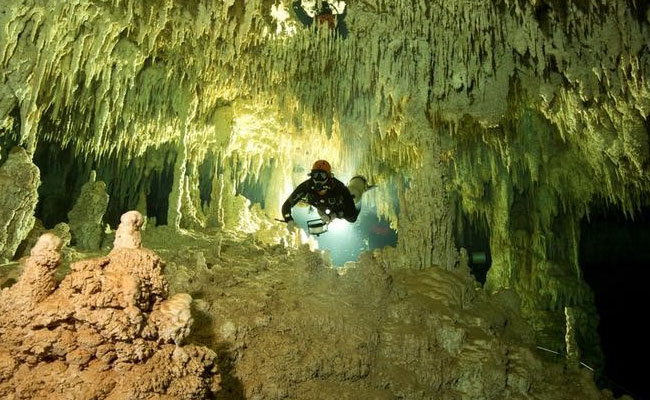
[86,338]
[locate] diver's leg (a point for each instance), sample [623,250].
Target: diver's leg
[341,28]
[351,215]
[301,14]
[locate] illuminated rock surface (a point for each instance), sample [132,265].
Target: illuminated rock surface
[518,116]
[19,179]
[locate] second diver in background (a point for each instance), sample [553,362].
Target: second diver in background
[324,16]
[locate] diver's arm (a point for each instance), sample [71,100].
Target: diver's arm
[350,210]
[298,193]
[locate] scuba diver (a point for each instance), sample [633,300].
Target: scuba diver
[331,198]
[324,16]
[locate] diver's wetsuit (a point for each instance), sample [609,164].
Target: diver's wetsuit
[323,14]
[337,199]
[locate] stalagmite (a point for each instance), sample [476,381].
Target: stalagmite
[215,210]
[61,230]
[572,349]
[37,281]
[87,215]
[103,332]
[19,181]
[127,235]
[191,213]
[218,244]
[174,213]
[426,220]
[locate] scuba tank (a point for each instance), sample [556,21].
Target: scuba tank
[357,187]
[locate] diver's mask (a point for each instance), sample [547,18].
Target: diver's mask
[320,179]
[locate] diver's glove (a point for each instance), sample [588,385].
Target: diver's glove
[326,218]
[291,225]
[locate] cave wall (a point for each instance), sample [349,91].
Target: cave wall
[19,181]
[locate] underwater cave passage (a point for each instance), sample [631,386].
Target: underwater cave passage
[615,256]
[345,241]
[476,240]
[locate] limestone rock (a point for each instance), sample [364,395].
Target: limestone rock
[19,181]
[87,214]
[62,230]
[173,318]
[37,281]
[295,328]
[89,337]
[127,235]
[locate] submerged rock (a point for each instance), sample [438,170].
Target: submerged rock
[105,332]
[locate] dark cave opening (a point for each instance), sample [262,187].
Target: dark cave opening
[254,186]
[158,194]
[206,175]
[254,190]
[63,173]
[614,254]
[475,238]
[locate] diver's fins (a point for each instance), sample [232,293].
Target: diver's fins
[341,28]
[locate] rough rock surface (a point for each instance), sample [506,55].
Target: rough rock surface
[104,332]
[87,214]
[287,326]
[19,181]
[62,230]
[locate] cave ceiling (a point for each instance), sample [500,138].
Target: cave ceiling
[530,84]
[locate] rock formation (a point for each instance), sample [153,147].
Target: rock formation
[61,230]
[287,326]
[105,331]
[19,180]
[86,217]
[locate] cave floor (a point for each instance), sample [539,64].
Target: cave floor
[285,324]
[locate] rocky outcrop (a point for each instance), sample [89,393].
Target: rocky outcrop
[19,181]
[61,230]
[287,326]
[87,215]
[106,331]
